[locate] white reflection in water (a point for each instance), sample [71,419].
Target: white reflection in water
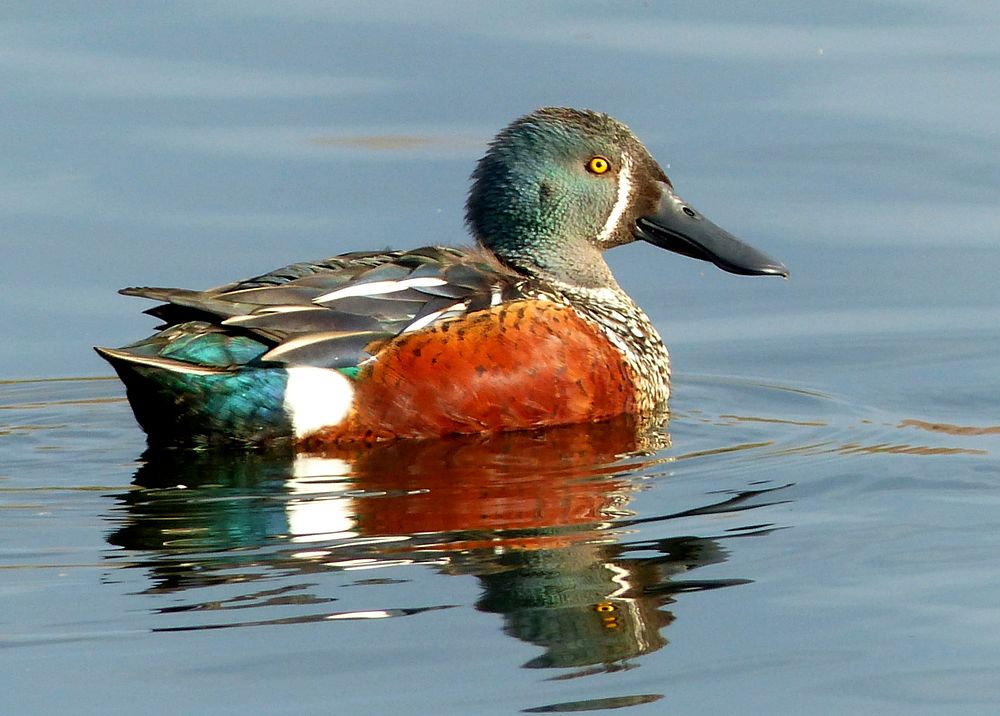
[317,515]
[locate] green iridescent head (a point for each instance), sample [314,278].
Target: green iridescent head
[559,186]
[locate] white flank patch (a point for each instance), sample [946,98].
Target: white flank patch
[624,191]
[375,288]
[316,398]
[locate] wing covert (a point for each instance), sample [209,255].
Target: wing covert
[337,312]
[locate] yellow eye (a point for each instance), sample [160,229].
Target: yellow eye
[598,165]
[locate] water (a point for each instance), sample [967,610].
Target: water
[814,531]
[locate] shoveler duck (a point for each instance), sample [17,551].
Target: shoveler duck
[527,329]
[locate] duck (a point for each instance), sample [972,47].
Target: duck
[524,329]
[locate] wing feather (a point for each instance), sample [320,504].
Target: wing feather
[335,313]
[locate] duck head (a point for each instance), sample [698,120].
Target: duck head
[559,186]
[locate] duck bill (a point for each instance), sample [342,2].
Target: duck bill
[677,227]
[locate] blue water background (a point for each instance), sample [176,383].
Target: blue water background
[189,144]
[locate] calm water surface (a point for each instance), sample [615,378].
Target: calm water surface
[816,528]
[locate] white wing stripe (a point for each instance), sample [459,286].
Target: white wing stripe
[269,311]
[375,288]
[431,317]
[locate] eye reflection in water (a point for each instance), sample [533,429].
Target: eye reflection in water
[540,519]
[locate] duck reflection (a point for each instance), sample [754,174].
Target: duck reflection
[537,518]
[591,603]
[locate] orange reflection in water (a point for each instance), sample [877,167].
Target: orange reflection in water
[525,514]
[495,484]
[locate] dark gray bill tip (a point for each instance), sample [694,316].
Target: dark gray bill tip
[678,227]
